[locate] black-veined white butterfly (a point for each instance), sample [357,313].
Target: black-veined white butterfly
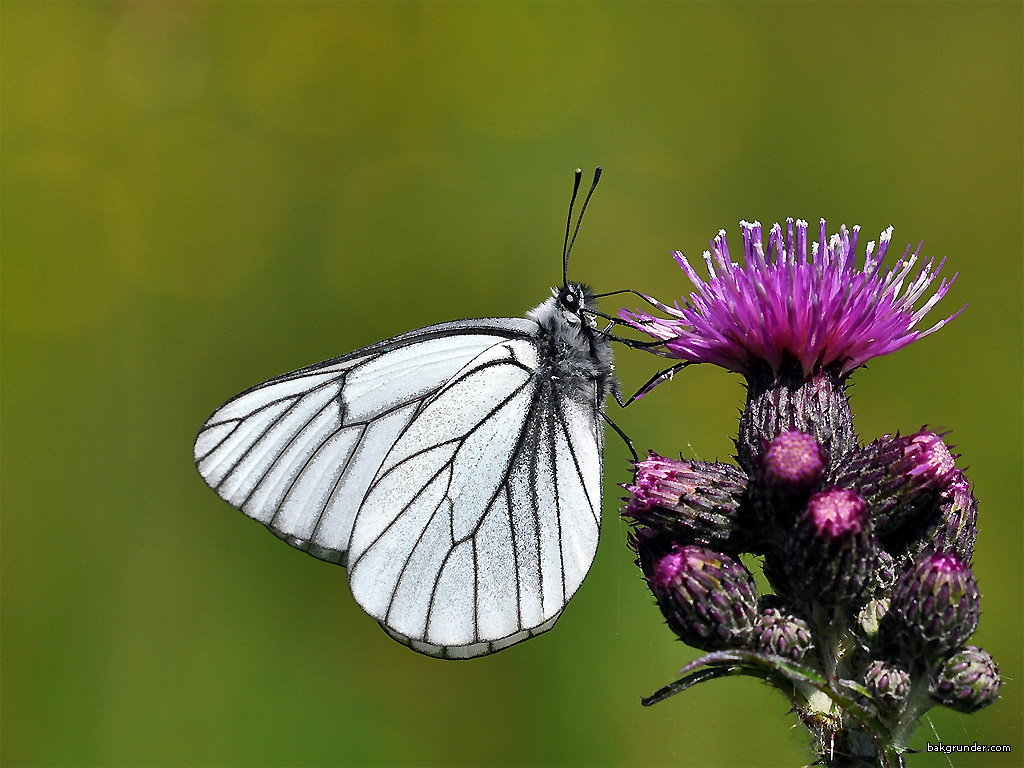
[455,470]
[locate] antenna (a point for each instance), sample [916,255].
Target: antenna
[568,224]
[567,247]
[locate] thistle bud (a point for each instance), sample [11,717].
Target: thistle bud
[927,462]
[689,501]
[902,479]
[832,554]
[790,468]
[935,606]
[708,599]
[888,684]
[792,463]
[781,633]
[967,681]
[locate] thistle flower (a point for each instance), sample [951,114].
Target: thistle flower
[868,548]
[780,632]
[817,309]
[927,462]
[903,478]
[889,684]
[790,468]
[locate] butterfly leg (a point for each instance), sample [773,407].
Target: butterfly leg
[654,381]
[623,435]
[632,343]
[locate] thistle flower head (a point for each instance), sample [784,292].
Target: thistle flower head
[928,461]
[905,479]
[658,482]
[786,304]
[888,683]
[837,512]
[782,633]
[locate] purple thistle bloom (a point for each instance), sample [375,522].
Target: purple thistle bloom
[784,304]
[928,462]
[708,599]
[832,553]
[905,478]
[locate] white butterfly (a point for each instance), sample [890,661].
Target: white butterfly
[455,470]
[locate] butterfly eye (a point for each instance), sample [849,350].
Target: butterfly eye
[569,300]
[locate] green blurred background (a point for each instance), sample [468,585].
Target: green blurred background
[199,196]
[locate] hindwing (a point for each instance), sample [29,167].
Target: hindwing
[485,515]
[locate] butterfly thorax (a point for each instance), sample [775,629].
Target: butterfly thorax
[579,353]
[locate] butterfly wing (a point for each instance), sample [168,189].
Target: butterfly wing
[484,516]
[299,452]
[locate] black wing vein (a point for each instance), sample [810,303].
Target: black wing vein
[503,484]
[284,449]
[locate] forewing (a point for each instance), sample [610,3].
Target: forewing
[485,515]
[298,452]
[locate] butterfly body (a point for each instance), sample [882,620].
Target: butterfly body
[577,354]
[454,470]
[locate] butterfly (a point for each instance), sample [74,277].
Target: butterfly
[455,470]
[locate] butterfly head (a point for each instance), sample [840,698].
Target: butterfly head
[573,301]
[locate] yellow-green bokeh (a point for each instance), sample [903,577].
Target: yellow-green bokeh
[198,196]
